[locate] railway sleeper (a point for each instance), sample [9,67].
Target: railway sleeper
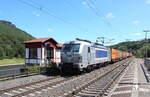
[96,90]
[87,91]
[98,87]
[80,94]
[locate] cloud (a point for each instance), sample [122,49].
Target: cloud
[110,15]
[50,30]
[136,22]
[85,4]
[36,14]
[147,1]
[136,34]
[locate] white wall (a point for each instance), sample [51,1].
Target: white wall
[54,53]
[34,61]
[58,56]
[39,53]
[43,50]
[27,52]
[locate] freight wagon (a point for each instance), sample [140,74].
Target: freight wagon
[115,55]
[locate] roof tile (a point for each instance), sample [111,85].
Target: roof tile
[37,40]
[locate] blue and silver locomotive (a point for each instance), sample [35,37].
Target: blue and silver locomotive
[83,55]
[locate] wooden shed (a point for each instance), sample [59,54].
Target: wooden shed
[42,51]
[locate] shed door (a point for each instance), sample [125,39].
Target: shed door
[49,53]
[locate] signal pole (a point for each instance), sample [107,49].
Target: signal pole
[146,42]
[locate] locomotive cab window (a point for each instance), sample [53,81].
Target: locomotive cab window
[71,47]
[76,48]
[66,48]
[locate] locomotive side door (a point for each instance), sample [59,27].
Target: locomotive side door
[89,55]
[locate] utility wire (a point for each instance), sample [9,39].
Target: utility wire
[48,12]
[43,10]
[95,10]
[92,7]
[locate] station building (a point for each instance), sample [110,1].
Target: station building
[42,51]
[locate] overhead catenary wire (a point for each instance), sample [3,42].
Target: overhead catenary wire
[95,10]
[92,7]
[48,12]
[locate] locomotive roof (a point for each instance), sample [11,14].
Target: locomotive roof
[100,46]
[92,44]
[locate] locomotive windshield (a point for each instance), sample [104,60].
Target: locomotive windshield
[71,47]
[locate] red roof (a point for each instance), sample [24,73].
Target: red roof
[39,40]
[60,45]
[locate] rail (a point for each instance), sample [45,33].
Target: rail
[147,76]
[18,73]
[95,80]
[28,84]
[111,81]
[44,85]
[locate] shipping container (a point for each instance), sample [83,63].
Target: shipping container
[124,54]
[115,54]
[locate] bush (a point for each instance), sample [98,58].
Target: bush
[33,68]
[141,52]
[52,68]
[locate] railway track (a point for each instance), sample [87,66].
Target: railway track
[63,86]
[98,86]
[9,91]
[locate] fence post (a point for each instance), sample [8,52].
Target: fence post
[27,72]
[13,73]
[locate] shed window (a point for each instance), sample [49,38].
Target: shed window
[49,53]
[33,53]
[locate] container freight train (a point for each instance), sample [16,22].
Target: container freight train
[80,55]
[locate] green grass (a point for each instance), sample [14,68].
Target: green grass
[12,61]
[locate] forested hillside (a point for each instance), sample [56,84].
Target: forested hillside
[136,47]
[11,40]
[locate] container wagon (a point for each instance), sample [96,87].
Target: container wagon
[124,55]
[115,55]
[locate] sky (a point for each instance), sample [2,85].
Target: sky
[65,20]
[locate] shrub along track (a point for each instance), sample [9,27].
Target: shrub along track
[63,86]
